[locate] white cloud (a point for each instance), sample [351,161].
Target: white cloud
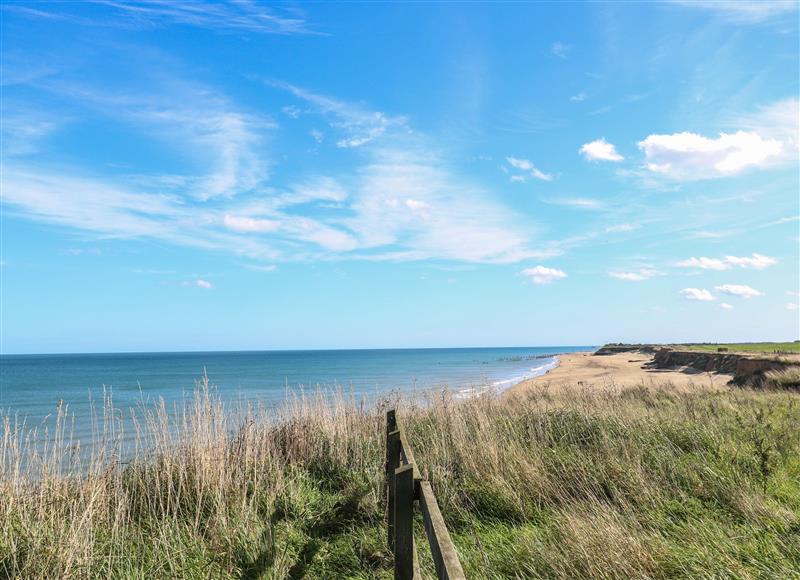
[756,261]
[399,201]
[523,164]
[739,290]
[261,267]
[704,263]
[792,293]
[697,294]
[692,156]
[766,138]
[416,205]
[600,111]
[600,150]
[244,224]
[543,275]
[726,306]
[743,11]
[22,128]
[780,121]
[530,169]
[626,227]
[291,111]
[560,49]
[577,202]
[244,16]
[791,306]
[408,205]
[222,146]
[320,189]
[579,97]
[359,125]
[636,276]
[200,283]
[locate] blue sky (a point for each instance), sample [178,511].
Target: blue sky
[243,176]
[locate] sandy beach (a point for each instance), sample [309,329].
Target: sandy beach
[618,370]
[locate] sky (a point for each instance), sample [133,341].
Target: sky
[244,176]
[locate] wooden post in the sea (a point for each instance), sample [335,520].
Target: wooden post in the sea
[404,523]
[392,462]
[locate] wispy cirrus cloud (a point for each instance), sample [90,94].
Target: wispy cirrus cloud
[23,128]
[624,227]
[221,145]
[359,125]
[399,201]
[528,169]
[407,204]
[741,11]
[585,203]
[244,224]
[560,49]
[232,15]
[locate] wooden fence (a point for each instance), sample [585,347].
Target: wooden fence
[405,485]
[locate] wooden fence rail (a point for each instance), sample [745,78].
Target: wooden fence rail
[405,485]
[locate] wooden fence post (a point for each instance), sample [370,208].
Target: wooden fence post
[391,425]
[444,554]
[404,523]
[392,462]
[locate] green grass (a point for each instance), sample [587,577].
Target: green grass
[645,482]
[756,347]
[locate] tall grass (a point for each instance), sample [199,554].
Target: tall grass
[646,482]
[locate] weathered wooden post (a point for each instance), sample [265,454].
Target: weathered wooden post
[404,523]
[392,462]
[444,554]
[391,425]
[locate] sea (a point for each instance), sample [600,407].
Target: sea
[34,386]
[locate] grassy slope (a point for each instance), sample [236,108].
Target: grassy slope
[759,347]
[647,483]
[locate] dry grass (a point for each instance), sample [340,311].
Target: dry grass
[645,482]
[788,378]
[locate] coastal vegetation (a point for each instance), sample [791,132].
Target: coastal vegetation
[651,481]
[753,347]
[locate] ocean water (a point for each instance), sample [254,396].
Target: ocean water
[33,386]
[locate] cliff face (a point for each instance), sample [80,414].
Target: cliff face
[745,369]
[616,348]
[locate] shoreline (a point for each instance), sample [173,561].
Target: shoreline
[583,369]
